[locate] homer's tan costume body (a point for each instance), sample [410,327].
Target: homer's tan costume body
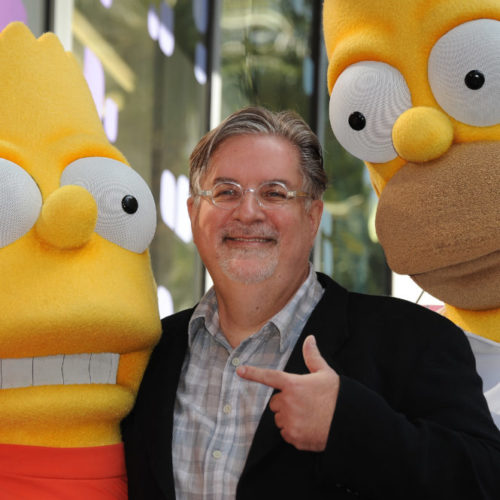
[415,93]
[78,299]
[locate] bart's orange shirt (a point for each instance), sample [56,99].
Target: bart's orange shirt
[28,472]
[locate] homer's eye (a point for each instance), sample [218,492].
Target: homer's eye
[126,208]
[20,202]
[366,100]
[464,72]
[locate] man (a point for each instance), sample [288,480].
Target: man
[282,384]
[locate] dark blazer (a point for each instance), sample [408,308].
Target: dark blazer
[411,421]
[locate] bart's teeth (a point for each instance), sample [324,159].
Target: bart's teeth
[59,370]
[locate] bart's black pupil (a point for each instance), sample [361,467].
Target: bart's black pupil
[357,121]
[129,204]
[474,79]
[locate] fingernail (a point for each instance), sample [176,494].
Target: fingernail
[313,339]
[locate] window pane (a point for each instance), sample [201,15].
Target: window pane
[266,48]
[146,65]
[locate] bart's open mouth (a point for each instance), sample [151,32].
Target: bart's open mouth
[62,369]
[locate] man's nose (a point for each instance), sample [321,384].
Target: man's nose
[249,208]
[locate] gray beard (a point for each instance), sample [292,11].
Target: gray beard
[235,268]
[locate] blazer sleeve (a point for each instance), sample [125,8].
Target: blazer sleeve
[429,436]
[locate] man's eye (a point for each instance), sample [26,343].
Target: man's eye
[273,194]
[226,193]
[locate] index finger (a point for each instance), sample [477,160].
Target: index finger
[272,378]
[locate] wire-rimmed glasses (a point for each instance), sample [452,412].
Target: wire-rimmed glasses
[271,194]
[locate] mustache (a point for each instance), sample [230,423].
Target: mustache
[261,231]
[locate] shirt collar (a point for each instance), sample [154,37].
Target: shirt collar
[294,313]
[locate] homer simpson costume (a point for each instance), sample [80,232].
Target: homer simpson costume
[415,94]
[79,311]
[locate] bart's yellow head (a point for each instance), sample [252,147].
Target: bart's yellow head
[415,93]
[78,299]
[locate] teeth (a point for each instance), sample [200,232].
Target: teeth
[58,370]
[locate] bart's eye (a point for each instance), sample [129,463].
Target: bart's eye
[126,208]
[366,100]
[464,72]
[20,202]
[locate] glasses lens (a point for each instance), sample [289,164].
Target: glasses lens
[271,194]
[226,194]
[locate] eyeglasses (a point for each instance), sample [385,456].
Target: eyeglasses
[272,194]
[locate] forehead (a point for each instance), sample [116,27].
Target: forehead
[255,158]
[403,36]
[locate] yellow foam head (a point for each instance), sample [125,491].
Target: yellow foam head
[79,311]
[414,94]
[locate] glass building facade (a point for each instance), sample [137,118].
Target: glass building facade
[162,73]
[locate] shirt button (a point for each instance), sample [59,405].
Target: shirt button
[217,454]
[227,409]
[235,362]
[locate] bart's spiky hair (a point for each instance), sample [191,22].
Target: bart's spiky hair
[43,90]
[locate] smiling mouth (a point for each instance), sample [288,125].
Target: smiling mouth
[61,369]
[251,240]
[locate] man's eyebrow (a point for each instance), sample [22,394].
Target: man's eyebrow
[230,179]
[224,179]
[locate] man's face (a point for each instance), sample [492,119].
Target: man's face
[250,244]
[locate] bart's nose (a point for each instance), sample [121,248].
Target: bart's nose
[422,134]
[68,218]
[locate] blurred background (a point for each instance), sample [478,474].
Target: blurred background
[162,73]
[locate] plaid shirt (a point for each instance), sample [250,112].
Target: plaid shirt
[216,412]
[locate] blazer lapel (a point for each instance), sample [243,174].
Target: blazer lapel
[328,323]
[166,378]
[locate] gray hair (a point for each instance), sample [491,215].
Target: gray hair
[257,120]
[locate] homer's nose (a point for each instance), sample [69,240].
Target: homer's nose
[422,134]
[68,217]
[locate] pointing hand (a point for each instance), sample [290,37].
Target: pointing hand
[304,407]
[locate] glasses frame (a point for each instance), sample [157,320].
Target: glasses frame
[290,194]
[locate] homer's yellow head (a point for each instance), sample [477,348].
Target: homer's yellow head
[415,94]
[78,299]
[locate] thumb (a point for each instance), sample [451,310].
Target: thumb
[312,357]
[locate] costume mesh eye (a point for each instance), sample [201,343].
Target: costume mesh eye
[464,72]
[20,202]
[366,100]
[125,205]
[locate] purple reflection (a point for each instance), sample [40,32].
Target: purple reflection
[107,3]
[200,15]
[166,33]
[200,64]
[12,10]
[153,23]
[111,119]
[94,74]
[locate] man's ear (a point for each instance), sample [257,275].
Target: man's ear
[190,204]
[315,213]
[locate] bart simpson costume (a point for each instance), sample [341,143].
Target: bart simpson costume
[415,93]
[78,299]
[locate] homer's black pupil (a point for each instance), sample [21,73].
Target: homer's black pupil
[129,204]
[357,121]
[474,79]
